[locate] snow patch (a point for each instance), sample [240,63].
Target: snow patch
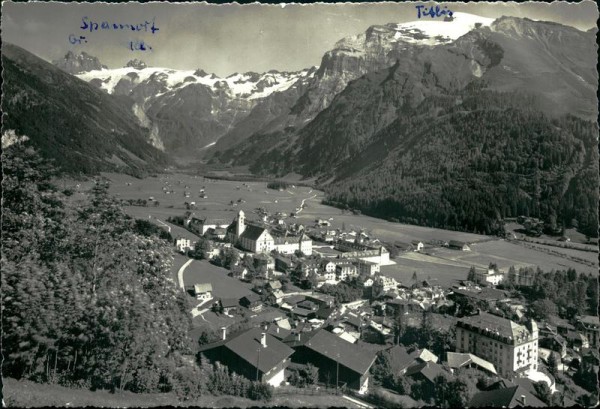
[439,31]
[238,85]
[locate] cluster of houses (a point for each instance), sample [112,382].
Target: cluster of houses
[504,350]
[314,329]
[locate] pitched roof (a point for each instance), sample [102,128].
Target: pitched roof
[400,359]
[505,397]
[202,288]
[293,341]
[349,355]
[247,346]
[275,284]
[457,360]
[278,332]
[353,320]
[495,325]
[295,299]
[252,297]
[252,232]
[430,370]
[229,302]
[591,320]
[324,313]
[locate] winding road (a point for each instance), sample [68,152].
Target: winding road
[181,271]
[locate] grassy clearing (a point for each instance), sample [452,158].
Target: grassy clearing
[201,271]
[29,394]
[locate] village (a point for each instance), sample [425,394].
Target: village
[318,312]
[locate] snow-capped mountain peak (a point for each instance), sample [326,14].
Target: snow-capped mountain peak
[248,85]
[440,31]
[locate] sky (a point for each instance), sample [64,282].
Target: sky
[224,39]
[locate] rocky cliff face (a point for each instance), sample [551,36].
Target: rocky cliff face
[551,63]
[78,63]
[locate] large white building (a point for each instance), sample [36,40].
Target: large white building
[250,237]
[511,347]
[290,245]
[202,225]
[491,276]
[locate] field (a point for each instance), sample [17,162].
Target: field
[442,266]
[30,394]
[201,271]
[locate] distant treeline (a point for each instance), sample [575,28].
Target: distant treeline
[278,184]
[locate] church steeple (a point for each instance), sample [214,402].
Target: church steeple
[240,226]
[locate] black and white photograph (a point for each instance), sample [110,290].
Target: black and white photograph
[300,205]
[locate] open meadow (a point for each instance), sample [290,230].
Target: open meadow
[201,271]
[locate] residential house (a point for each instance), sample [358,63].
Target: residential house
[229,305]
[239,272]
[274,285]
[459,360]
[203,291]
[425,371]
[345,271]
[367,268]
[458,245]
[589,325]
[202,225]
[514,396]
[418,245]
[283,264]
[183,245]
[383,284]
[489,276]
[576,340]
[308,305]
[291,302]
[217,234]
[252,302]
[480,294]
[365,280]
[339,361]
[322,300]
[275,297]
[555,343]
[254,354]
[511,347]
[278,332]
[327,265]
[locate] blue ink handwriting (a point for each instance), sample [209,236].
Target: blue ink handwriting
[138,45]
[73,39]
[433,12]
[91,26]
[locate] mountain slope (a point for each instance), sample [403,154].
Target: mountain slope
[83,129]
[190,110]
[459,134]
[465,163]
[507,55]
[376,49]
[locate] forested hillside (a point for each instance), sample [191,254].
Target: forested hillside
[498,161]
[87,299]
[82,128]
